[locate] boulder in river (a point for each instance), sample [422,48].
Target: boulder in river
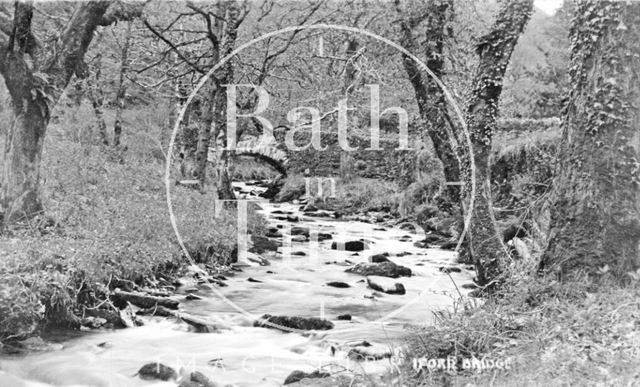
[349,246]
[408,227]
[300,231]
[377,258]
[157,371]
[430,239]
[383,269]
[421,244]
[321,236]
[338,284]
[297,376]
[197,379]
[369,353]
[385,285]
[198,325]
[273,233]
[294,322]
[262,244]
[292,218]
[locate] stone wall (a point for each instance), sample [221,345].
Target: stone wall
[523,146]
[388,163]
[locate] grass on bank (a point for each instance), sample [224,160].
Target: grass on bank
[106,224]
[555,334]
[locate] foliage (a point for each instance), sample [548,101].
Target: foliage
[106,225]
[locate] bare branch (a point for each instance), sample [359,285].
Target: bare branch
[270,58]
[173,47]
[215,41]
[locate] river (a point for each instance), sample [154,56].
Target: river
[243,355]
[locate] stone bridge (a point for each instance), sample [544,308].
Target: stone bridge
[387,163]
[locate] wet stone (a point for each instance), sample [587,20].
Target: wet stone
[383,269]
[157,371]
[338,284]
[294,322]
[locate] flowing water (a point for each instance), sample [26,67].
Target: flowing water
[243,355]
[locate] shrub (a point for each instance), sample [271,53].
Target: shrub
[555,333]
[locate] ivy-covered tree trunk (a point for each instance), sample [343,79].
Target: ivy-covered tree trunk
[595,218]
[429,96]
[495,49]
[35,91]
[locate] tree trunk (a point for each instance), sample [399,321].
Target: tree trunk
[595,219]
[122,87]
[33,96]
[429,97]
[204,132]
[349,76]
[216,111]
[20,195]
[225,190]
[96,96]
[223,156]
[485,243]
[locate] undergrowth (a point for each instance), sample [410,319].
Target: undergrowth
[106,225]
[551,333]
